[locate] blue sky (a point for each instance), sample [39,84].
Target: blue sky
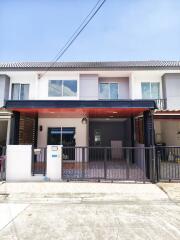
[34,30]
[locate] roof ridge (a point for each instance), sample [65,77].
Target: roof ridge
[119,65]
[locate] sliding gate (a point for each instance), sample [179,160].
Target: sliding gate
[106,163]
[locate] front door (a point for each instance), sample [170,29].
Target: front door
[63,136]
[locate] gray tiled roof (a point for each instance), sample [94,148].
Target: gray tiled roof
[73,66]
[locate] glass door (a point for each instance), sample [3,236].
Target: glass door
[54,136]
[68,140]
[63,136]
[68,136]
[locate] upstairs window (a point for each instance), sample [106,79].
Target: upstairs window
[20,91]
[150,90]
[62,88]
[108,90]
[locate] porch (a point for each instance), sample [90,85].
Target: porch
[100,139]
[82,123]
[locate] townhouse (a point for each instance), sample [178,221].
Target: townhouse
[90,104]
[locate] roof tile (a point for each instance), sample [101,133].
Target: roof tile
[73,66]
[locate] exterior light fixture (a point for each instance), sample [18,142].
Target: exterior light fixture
[40,128]
[84,120]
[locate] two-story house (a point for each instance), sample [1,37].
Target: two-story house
[78,103]
[5,116]
[93,103]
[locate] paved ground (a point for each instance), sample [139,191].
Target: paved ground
[87,211]
[172,190]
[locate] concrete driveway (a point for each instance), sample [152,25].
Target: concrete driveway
[87,211]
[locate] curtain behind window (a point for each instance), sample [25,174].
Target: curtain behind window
[15,91]
[24,94]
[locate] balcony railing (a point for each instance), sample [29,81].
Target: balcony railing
[161,103]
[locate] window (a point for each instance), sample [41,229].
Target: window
[55,88]
[104,90]
[150,90]
[64,136]
[20,91]
[108,90]
[97,137]
[62,88]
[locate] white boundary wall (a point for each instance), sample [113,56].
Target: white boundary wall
[18,162]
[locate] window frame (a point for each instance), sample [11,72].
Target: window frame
[20,89]
[62,87]
[109,91]
[150,89]
[60,129]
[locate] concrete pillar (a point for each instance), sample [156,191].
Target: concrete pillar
[15,130]
[54,162]
[149,142]
[8,132]
[148,129]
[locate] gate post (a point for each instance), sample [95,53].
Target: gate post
[127,163]
[32,161]
[153,164]
[83,162]
[54,162]
[105,163]
[158,165]
[148,140]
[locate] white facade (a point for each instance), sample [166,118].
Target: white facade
[81,135]
[88,83]
[145,76]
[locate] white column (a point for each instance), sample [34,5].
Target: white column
[8,132]
[131,86]
[54,162]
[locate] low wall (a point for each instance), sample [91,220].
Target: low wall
[18,162]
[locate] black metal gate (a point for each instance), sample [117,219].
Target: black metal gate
[107,163]
[39,161]
[168,163]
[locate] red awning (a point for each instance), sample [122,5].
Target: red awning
[80,112]
[80,108]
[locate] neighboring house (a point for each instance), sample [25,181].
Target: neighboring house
[5,116]
[93,103]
